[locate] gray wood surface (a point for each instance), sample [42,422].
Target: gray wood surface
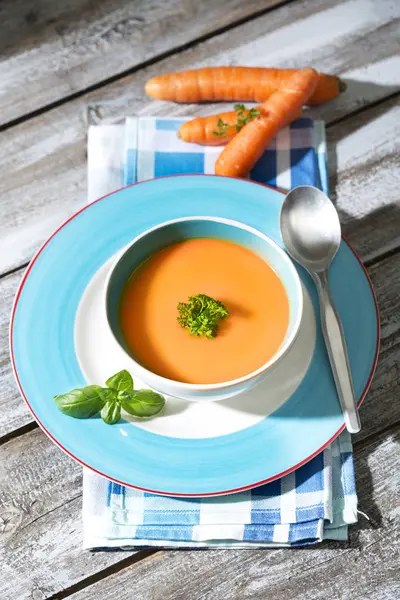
[40,521]
[44,178]
[53,50]
[363,160]
[58,59]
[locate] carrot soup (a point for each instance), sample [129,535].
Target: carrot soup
[247,286]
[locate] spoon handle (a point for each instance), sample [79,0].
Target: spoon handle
[332,330]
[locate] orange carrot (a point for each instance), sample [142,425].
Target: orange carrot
[243,151]
[207,131]
[246,84]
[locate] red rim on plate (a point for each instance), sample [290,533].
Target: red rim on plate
[232,491]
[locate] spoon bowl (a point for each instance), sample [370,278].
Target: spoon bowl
[310,227]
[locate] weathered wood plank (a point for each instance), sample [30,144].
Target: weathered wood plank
[15,412]
[363,159]
[43,160]
[380,408]
[41,547]
[40,521]
[51,49]
[40,529]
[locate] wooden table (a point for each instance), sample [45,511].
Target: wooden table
[57,59]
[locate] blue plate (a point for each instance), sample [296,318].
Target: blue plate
[45,361]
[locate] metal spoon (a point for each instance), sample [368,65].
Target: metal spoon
[311,232]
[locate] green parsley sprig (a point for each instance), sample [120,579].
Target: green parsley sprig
[200,315]
[222,128]
[244,116]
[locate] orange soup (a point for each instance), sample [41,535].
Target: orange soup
[249,288]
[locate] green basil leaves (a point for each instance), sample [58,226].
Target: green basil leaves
[86,402]
[81,403]
[141,403]
[120,381]
[111,412]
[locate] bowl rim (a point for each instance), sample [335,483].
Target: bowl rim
[148,375]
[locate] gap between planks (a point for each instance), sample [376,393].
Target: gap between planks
[379,257]
[14,269]
[362,109]
[18,432]
[96,577]
[147,63]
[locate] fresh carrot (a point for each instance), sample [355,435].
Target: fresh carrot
[245,84]
[243,151]
[217,130]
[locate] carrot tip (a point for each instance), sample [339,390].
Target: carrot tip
[342,86]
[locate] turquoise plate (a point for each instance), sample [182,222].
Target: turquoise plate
[45,358]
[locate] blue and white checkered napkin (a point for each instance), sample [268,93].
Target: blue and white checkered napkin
[317,501]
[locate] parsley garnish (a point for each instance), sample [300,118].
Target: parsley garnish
[200,315]
[240,110]
[242,119]
[221,128]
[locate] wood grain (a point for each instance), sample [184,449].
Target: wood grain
[14,409]
[363,160]
[53,50]
[380,408]
[40,521]
[41,546]
[44,170]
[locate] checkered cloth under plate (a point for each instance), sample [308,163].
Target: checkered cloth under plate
[315,502]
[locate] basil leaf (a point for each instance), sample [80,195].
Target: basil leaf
[120,381]
[141,403]
[111,412]
[108,395]
[82,402]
